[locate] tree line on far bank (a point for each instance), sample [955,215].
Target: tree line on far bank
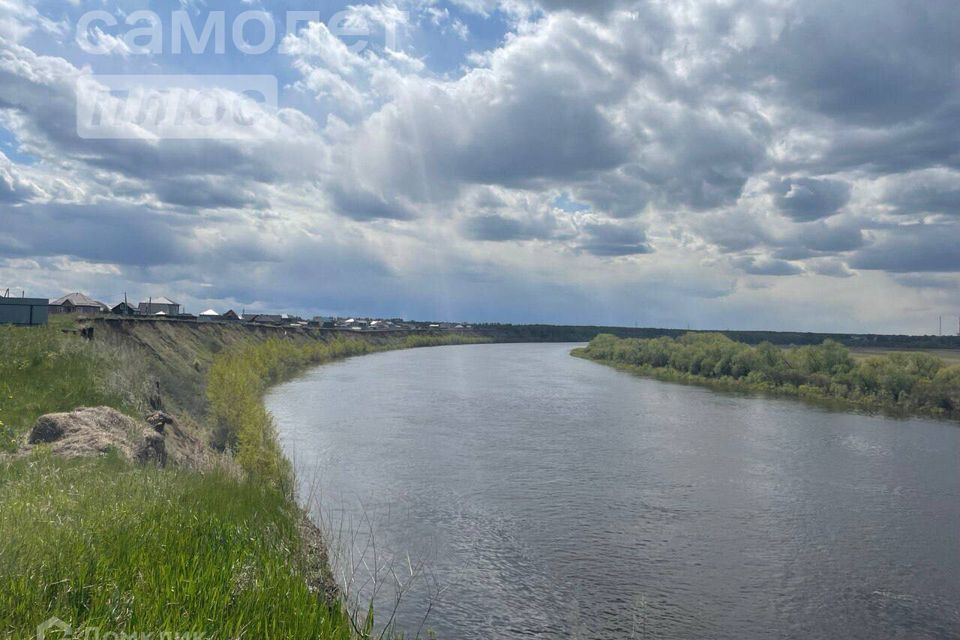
[912,382]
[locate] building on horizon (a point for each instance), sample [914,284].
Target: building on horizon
[24,311]
[323,322]
[265,318]
[124,309]
[77,303]
[209,315]
[155,306]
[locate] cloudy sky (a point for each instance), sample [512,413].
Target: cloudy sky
[776,164]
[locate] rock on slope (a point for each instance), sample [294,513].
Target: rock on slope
[95,431]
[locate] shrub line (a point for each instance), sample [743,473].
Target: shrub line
[897,383]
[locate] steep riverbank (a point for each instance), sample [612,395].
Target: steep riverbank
[214,546]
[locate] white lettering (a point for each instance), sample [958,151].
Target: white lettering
[154,31]
[269,32]
[341,26]
[83,31]
[215,26]
[294,18]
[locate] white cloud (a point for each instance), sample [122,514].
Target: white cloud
[732,155]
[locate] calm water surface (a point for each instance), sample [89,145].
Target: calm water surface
[551,497]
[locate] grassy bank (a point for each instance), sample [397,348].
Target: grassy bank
[105,545]
[906,383]
[101,543]
[42,370]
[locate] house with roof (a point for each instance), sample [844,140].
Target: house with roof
[265,318]
[232,316]
[159,306]
[124,309]
[323,322]
[77,303]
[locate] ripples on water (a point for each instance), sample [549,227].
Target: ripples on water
[553,497]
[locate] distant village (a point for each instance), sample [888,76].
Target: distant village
[37,311]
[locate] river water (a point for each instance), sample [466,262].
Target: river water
[533,494]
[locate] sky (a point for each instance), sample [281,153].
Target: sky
[712,164]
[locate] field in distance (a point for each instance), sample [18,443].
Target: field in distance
[949,356]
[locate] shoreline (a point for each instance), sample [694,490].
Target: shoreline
[808,395]
[191,371]
[212,379]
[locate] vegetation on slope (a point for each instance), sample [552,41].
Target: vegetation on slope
[105,544]
[909,382]
[42,370]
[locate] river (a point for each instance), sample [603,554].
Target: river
[537,495]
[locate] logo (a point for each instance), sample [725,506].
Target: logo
[54,628]
[57,629]
[180,107]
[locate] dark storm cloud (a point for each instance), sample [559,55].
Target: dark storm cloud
[701,160]
[207,193]
[737,231]
[879,64]
[44,91]
[9,194]
[830,268]
[925,142]
[794,253]
[927,281]
[104,233]
[919,196]
[361,205]
[213,172]
[913,248]
[826,238]
[732,231]
[12,189]
[613,240]
[766,266]
[689,159]
[522,122]
[878,82]
[498,228]
[620,193]
[182,158]
[805,199]
[349,277]
[592,7]
[519,142]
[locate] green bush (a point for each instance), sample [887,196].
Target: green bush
[909,381]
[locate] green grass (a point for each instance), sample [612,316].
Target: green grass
[949,356]
[101,544]
[43,370]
